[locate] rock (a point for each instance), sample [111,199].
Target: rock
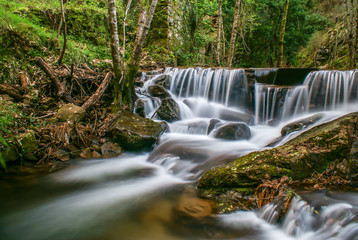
[312,151]
[95,154]
[169,110]
[28,145]
[233,131]
[70,113]
[190,205]
[88,153]
[165,126]
[139,108]
[133,132]
[158,91]
[109,150]
[212,125]
[300,124]
[8,152]
[61,155]
[163,80]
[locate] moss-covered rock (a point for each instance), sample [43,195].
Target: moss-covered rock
[28,145]
[70,113]
[8,152]
[133,132]
[310,152]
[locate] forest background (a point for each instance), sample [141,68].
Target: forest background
[318,33]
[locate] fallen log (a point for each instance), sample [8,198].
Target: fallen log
[11,90]
[61,91]
[99,92]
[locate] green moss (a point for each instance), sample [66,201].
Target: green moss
[312,151]
[8,152]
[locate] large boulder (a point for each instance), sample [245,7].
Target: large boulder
[158,91]
[312,151]
[169,110]
[70,113]
[133,132]
[233,131]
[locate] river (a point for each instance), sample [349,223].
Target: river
[140,195]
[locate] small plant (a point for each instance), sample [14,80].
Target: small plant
[8,115]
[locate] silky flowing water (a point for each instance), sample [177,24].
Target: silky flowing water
[138,196]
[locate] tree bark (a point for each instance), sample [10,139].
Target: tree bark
[61,91]
[124,27]
[234,33]
[99,92]
[116,55]
[282,33]
[63,19]
[355,40]
[218,40]
[144,21]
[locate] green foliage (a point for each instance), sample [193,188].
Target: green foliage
[8,115]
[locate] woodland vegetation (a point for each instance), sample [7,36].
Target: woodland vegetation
[68,49]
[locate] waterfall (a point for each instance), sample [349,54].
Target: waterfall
[321,91]
[227,87]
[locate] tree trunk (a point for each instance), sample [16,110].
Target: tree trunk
[115,51]
[234,33]
[282,33]
[218,40]
[144,21]
[63,19]
[355,40]
[124,27]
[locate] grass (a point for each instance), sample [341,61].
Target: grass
[16,16]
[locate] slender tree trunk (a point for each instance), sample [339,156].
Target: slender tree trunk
[60,24]
[234,33]
[116,55]
[124,28]
[64,33]
[355,40]
[219,34]
[282,33]
[144,21]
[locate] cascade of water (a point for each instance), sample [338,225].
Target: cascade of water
[228,87]
[268,101]
[329,90]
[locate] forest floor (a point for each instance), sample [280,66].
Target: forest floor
[32,106]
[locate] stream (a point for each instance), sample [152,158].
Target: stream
[140,195]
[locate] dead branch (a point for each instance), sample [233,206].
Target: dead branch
[99,92]
[11,90]
[61,91]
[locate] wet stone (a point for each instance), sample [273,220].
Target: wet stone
[233,131]
[133,132]
[169,110]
